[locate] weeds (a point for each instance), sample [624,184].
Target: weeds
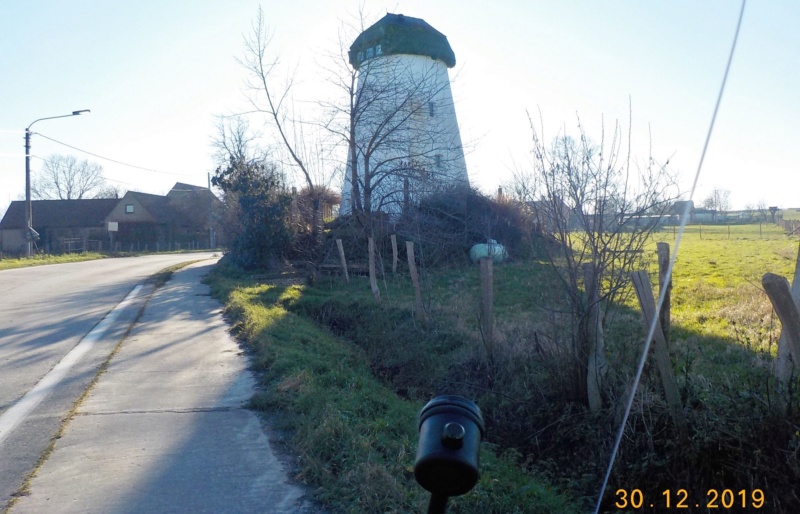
[341,367]
[356,438]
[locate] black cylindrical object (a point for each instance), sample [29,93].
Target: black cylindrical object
[450,432]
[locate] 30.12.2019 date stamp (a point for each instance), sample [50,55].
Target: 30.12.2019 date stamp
[680,499]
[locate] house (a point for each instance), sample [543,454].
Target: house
[186,217]
[552,216]
[705,216]
[63,225]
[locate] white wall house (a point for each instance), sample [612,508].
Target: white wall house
[406,140]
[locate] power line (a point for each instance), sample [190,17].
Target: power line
[114,160]
[668,275]
[104,177]
[115,180]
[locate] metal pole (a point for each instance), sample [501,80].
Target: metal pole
[437,504]
[28,209]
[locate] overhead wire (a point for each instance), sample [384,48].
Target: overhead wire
[104,177]
[668,275]
[114,160]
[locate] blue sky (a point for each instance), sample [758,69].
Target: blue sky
[156,73]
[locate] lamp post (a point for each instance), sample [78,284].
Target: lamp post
[28,208]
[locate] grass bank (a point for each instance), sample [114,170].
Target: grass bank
[354,435]
[41,260]
[340,367]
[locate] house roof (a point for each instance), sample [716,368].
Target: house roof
[679,207]
[181,187]
[185,204]
[397,34]
[59,213]
[157,205]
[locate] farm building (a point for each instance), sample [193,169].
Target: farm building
[186,215]
[62,224]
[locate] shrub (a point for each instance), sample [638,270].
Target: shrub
[448,223]
[255,213]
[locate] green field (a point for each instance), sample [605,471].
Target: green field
[717,279]
[791,214]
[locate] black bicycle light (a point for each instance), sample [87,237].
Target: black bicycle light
[450,432]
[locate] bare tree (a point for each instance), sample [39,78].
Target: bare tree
[522,186]
[762,209]
[109,191]
[235,141]
[600,214]
[63,177]
[275,102]
[719,201]
[750,209]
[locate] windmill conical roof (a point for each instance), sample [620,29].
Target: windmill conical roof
[399,34]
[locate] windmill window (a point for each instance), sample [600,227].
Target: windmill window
[129,208]
[369,52]
[438,160]
[431,108]
[378,50]
[360,56]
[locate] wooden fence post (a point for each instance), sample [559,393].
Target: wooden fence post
[783,361]
[394,253]
[373,281]
[412,268]
[664,316]
[780,295]
[487,305]
[343,260]
[641,282]
[597,365]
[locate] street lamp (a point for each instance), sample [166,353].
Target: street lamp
[28,210]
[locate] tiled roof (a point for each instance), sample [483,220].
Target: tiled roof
[60,213]
[157,205]
[181,187]
[185,204]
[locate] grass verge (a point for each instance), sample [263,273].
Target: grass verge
[41,260]
[723,336]
[355,438]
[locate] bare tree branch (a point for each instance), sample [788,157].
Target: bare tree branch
[261,67]
[63,177]
[600,213]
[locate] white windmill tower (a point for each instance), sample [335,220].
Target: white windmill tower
[406,140]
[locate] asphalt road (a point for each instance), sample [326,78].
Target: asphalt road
[45,312]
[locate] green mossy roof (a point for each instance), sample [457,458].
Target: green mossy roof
[398,34]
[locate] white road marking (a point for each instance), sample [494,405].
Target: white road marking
[11,418]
